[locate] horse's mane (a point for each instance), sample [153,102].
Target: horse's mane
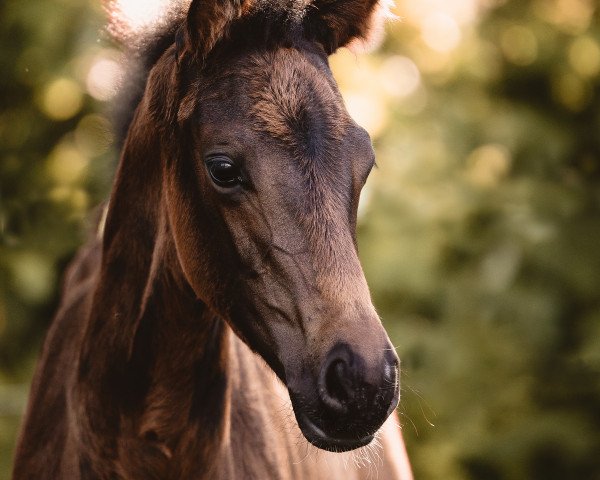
[142,46]
[145,42]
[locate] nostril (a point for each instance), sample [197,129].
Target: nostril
[336,382]
[336,385]
[391,366]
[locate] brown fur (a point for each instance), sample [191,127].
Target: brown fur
[150,368]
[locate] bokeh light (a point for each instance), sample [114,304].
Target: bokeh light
[66,164]
[104,76]
[519,45]
[441,32]
[61,99]
[584,56]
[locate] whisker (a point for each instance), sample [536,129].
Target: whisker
[421,399]
[410,420]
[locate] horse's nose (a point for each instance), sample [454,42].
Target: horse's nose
[351,386]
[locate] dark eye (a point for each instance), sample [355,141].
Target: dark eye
[224,172]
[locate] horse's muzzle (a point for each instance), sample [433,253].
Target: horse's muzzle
[353,399]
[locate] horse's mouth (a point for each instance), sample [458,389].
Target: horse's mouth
[322,440]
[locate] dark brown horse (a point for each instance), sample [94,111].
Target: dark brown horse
[229,253]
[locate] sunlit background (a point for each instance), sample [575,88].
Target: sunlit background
[479,231]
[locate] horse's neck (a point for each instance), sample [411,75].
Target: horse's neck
[187,402]
[153,388]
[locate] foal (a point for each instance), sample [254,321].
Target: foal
[229,253]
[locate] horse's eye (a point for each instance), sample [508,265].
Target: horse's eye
[224,172]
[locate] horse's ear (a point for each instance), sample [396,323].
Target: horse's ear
[339,23]
[208,21]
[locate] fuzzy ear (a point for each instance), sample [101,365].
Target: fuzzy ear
[208,21]
[339,23]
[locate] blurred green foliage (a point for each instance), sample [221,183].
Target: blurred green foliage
[479,231]
[54,166]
